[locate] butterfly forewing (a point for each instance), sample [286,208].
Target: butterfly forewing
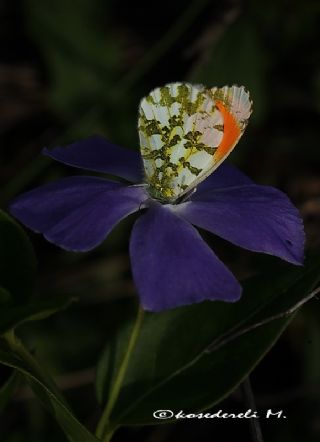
[182,129]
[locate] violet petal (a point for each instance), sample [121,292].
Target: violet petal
[258,218]
[77,213]
[173,266]
[97,154]
[226,175]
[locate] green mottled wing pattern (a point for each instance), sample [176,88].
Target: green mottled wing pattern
[180,129]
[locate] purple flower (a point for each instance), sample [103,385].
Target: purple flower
[171,264]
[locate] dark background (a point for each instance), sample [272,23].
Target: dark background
[69,69]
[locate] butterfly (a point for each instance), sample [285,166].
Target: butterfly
[186,131]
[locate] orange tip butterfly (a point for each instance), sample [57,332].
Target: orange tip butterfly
[186,131]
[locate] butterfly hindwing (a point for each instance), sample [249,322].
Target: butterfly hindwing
[186,131]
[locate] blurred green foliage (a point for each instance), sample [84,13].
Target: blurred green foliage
[90,63]
[221,346]
[17,260]
[82,57]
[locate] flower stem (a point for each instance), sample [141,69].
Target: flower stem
[247,392]
[104,432]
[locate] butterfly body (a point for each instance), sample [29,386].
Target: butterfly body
[185,132]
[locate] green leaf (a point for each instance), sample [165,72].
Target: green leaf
[7,390]
[17,259]
[180,353]
[75,431]
[13,316]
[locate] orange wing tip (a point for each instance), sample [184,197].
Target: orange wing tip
[232,132]
[237,100]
